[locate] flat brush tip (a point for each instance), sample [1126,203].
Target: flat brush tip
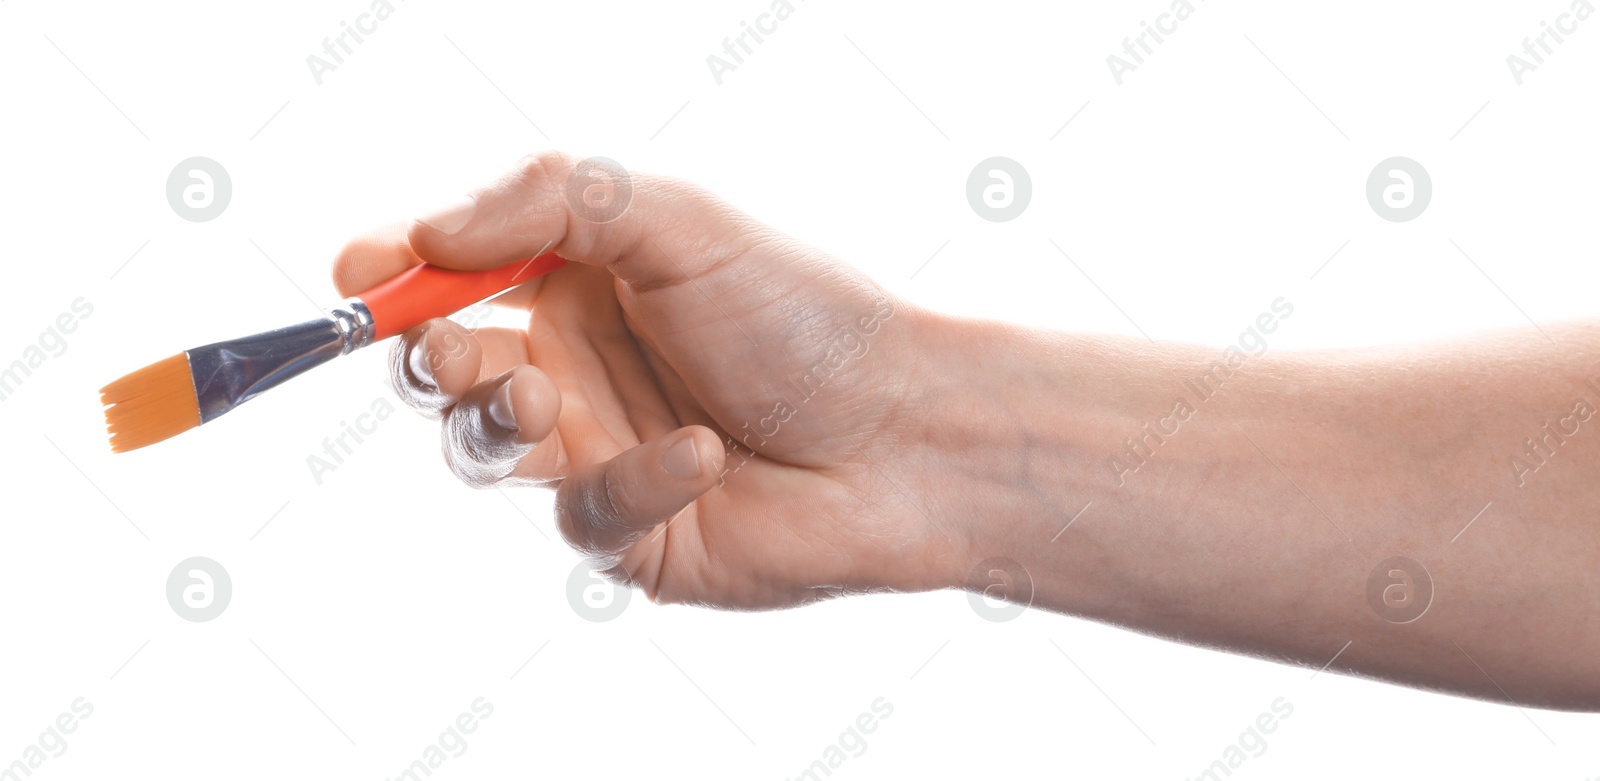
[152,404]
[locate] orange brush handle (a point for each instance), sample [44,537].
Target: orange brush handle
[424,292]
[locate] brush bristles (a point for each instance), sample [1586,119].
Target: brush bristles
[154,403]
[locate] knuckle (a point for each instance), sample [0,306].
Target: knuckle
[448,342]
[543,168]
[676,187]
[722,229]
[698,196]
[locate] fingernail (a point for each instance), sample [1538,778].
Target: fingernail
[682,460]
[500,409]
[451,218]
[421,366]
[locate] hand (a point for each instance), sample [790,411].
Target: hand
[729,416]
[734,419]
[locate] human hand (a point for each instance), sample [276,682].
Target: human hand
[716,403]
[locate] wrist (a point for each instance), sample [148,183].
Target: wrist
[1001,445]
[1021,454]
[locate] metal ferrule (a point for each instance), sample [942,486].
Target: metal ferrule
[227,374]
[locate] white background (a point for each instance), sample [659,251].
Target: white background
[389,597]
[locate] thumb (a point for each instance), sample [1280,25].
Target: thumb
[603,509]
[650,231]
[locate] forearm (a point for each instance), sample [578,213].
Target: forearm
[1246,507]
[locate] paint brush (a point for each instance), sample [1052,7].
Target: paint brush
[197,386]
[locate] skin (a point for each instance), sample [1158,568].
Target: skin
[676,346]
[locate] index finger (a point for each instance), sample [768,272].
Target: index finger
[379,255]
[373,258]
